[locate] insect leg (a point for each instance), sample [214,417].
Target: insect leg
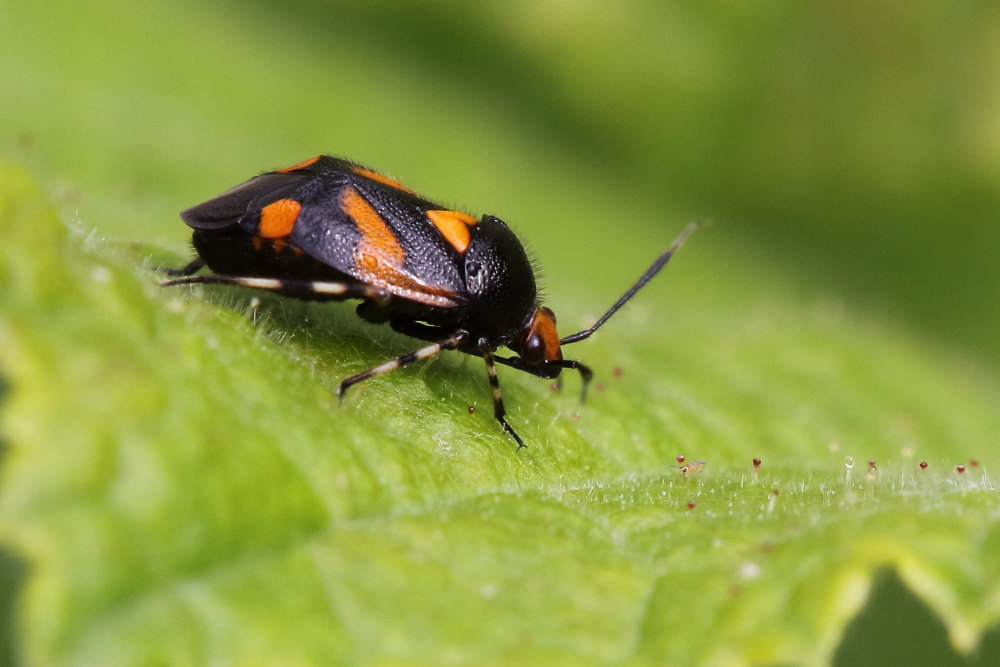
[549,370]
[315,288]
[188,269]
[416,329]
[486,350]
[449,343]
[586,375]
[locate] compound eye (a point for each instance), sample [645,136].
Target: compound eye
[533,348]
[539,342]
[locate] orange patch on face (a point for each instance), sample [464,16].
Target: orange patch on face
[379,256]
[379,178]
[544,325]
[278,218]
[301,165]
[454,227]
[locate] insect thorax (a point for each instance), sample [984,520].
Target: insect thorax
[500,282]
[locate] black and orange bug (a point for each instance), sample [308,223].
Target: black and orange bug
[330,229]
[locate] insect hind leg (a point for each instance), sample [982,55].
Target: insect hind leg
[309,289]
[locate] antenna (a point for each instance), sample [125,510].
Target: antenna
[654,268]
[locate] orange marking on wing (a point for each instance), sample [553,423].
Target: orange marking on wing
[278,218]
[301,165]
[379,256]
[379,178]
[454,227]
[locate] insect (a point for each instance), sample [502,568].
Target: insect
[691,467]
[330,229]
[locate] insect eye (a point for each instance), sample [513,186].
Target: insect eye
[472,269]
[539,342]
[533,348]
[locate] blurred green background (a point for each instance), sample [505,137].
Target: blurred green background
[855,145]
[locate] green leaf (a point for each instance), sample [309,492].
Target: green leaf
[178,486]
[182,487]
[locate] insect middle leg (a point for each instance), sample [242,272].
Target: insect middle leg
[188,269]
[483,349]
[450,343]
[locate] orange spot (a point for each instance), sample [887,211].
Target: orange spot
[379,257]
[539,341]
[454,227]
[279,244]
[544,323]
[379,178]
[301,165]
[278,218]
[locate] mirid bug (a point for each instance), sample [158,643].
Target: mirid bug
[330,229]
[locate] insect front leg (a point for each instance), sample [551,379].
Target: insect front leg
[550,369]
[586,375]
[486,350]
[450,343]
